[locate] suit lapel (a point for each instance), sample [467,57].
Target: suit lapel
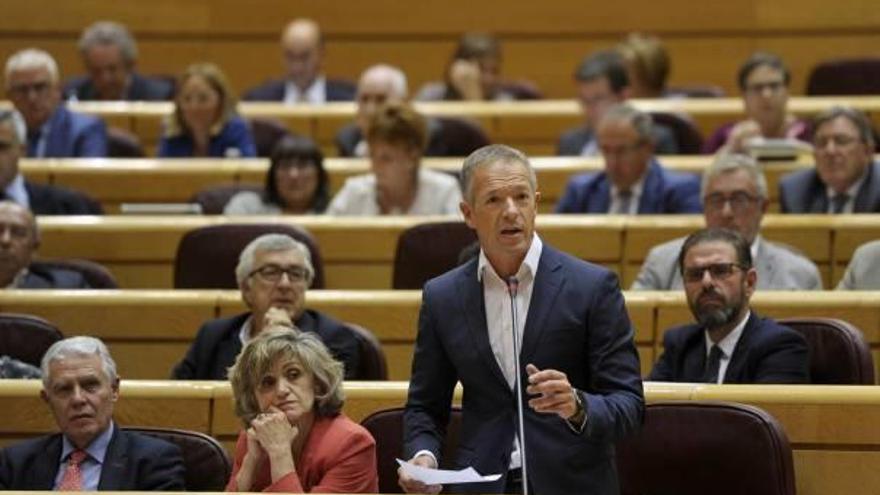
[471,292]
[735,368]
[601,201]
[694,363]
[546,287]
[868,197]
[113,473]
[46,465]
[652,190]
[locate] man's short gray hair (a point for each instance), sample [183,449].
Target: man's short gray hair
[271,243]
[109,33]
[15,121]
[488,155]
[640,121]
[29,59]
[396,76]
[726,163]
[78,347]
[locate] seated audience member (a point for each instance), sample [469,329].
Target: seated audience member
[647,65]
[288,393]
[302,48]
[863,271]
[296,182]
[474,74]
[205,122]
[633,180]
[91,452]
[734,194]
[763,80]
[19,241]
[109,54]
[729,343]
[846,178]
[42,199]
[384,84]
[273,271]
[53,131]
[398,184]
[601,84]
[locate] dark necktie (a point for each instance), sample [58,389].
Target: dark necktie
[33,141]
[624,201]
[710,374]
[838,201]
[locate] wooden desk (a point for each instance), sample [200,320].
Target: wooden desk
[116,181]
[533,126]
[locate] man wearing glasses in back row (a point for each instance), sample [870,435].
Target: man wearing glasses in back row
[729,343]
[273,273]
[734,195]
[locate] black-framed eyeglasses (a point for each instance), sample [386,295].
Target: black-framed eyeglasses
[718,271]
[739,201]
[273,273]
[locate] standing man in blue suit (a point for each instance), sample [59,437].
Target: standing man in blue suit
[91,452]
[33,86]
[633,181]
[579,363]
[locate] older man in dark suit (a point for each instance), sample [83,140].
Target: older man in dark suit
[91,452]
[846,178]
[729,343]
[578,358]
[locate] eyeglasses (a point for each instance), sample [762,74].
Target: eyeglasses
[24,89]
[273,273]
[758,88]
[739,201]
[718,271]
[839,140]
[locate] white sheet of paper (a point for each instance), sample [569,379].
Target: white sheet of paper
[444,476]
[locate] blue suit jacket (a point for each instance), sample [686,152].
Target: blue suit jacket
[74,135]
[804,192]
[141,88]
[337,90]
[235,134]
[766,353]
[133,462]
[662,192]
[577,324]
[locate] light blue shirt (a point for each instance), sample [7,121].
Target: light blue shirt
[91,466]
[17,192]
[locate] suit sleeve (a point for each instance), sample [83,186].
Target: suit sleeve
[568,202]
[93,141]
[687,196]
[662,370]
[786,360]
[430,388]
[615,401]
[166,471]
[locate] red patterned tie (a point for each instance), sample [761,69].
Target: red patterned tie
[72,481]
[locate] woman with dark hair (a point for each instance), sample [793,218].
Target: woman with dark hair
[296,182]
[205,122]
[288,393]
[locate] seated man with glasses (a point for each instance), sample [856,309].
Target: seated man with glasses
[273,273]
[734,197]
[53,131]
[633,181]
[729,343]
[846,178]
[763,80]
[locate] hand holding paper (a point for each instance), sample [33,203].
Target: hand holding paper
[443,476]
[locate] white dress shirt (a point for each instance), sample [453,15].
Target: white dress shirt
[437,193]
[316,93]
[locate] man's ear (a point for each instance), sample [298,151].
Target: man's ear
[114,389]
[466,212]
[44,396]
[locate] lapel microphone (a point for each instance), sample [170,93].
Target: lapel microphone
[512,286]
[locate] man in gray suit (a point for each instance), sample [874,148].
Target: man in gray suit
[734,194]
[846,178]
[863,271]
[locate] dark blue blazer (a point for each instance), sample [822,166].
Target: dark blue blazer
[141,89]
[662,192]
[572,141]
[766,353]
[217,344]
[337,90]
[133,462]
[56,200]
[42,277]
[235,134]
[577,324]
[804,192]
[73,135]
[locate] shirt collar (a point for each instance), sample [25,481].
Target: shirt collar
[245,333]
[635,190]
[96,450]
[17,192]
[529,264]
[728,343]
[754,249]
[313,94]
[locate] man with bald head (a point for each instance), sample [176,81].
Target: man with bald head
[19,242]
[302,48]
